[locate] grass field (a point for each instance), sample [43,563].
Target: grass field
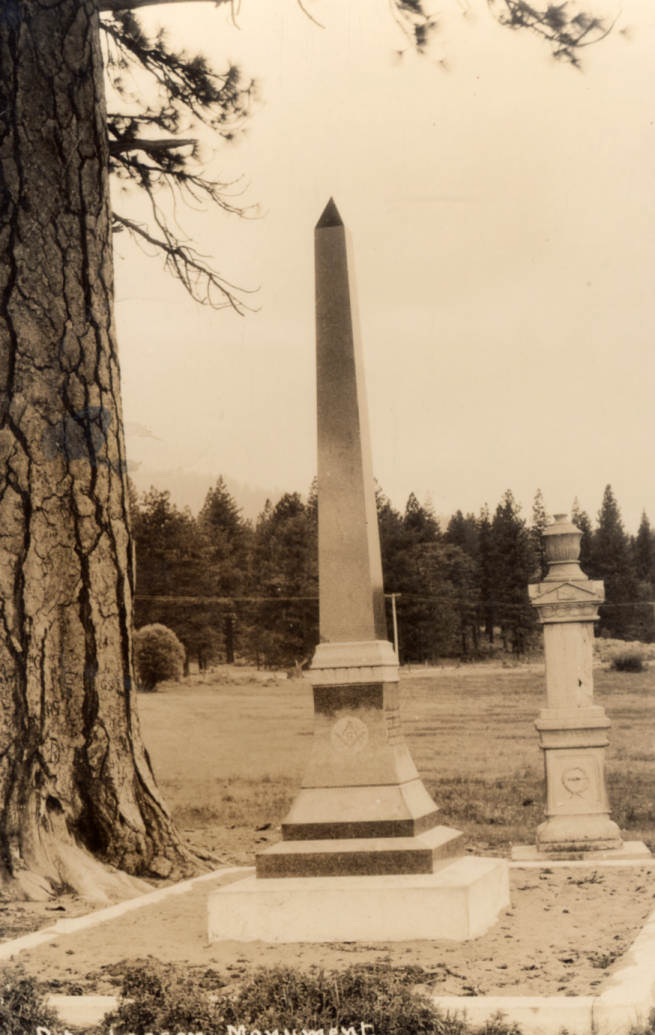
[229,750]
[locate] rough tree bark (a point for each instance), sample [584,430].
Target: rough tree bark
[76,785]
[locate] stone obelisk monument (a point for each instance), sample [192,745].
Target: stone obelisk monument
[362,808]
[363,854]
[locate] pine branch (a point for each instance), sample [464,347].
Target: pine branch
[151,147]
[203,284]
[189,88]
[219,101]
[114,6]
[567,33]
[415,22]
[164,168]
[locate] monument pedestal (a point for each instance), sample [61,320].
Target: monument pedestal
[362,808]
[577,808]
[461,901]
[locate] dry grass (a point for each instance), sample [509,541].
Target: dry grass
[229,751]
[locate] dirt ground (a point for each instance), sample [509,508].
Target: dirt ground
[564,933]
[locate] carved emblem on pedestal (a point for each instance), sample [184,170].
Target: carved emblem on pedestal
[350,733]
[576,781]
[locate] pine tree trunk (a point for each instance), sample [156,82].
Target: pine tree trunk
[75,781]
[229,639]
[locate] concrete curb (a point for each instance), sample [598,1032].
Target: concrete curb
[614,1012]
[82,1011]
[628,999]
[536,1015]
[630,993]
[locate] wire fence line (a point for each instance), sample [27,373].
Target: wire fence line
[179,599]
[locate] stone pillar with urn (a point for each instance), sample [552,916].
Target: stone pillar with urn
[573,729]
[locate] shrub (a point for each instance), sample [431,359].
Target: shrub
[629,660]
[378,996]
[156,998]
[605,648]
[158,655]
[22,1005]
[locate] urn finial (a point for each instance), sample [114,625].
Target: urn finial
[562,548]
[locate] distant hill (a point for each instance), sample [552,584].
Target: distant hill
[189,488]
[148,453]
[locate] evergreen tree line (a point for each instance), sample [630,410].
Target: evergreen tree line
[230,588]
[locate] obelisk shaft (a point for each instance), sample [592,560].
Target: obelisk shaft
[350,572]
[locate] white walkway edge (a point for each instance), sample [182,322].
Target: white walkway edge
[83,1011]
[535,1015]
[80,923]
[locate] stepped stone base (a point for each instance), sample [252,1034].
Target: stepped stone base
[461,901]
[402,809]
[360,856]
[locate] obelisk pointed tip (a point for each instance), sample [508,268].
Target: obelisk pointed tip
[330,216]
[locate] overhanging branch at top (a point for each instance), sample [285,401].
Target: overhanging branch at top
[151,147]
[130,5]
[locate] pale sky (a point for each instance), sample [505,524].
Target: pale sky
[502,215]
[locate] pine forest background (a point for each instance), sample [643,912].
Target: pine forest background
[234,590]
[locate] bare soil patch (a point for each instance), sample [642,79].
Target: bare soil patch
[564,933]
[18,918]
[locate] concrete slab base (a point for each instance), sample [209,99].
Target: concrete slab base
[460,901]
[631,850]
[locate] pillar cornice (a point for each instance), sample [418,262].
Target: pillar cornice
[571,600]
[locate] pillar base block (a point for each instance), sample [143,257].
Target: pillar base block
[631,851]
[578,833]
